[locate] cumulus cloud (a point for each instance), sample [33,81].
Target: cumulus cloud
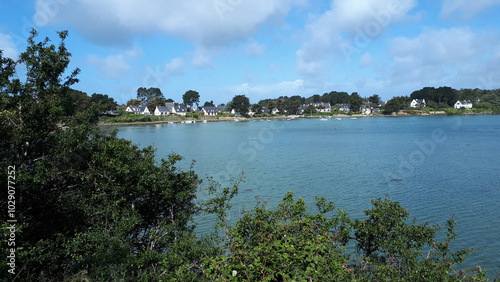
[112,66]
[347,27]
[436,47]
[204,23]
[465,9]
[7,46]
[208,25]
[453,56]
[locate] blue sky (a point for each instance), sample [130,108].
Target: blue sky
[266,49]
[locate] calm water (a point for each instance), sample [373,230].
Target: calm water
[445,166]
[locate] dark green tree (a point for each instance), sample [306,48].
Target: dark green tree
[156,102]
[209,104]
[355,101]
[396,104]
[134,102]
[310,110]
[149,94]
[241,104]
[285,244]
[90,205]
[103,102]
[374,100]
[190,98]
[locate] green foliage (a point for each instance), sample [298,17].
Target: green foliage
[356,102]
[191,97]
[446,96]
[148,95]
[209,104]
[134,102]
[396,104]
[192,115]
[241,104]
[284,244]
[290,243]
[374,100]
[91,205]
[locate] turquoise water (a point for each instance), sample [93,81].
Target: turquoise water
[444,166]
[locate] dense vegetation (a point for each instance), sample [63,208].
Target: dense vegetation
[91,206]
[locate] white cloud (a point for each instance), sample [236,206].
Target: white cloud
[175,67]
[465,9]
[458,57]
[112,66]
[209,26]
[254,49]
[437,47]
[347,28]
[7,46]
[203,23]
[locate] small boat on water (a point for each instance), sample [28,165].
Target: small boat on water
[354,118]
[339,118]
[323,119]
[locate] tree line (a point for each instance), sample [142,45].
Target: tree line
[93,207]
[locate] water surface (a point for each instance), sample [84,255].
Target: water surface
[435,167]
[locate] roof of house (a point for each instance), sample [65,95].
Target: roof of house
[163,109]
[138,108]
[180,108]
[265,110]
[210,109]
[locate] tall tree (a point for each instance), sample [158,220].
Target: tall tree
[190,98]
[241,104]
[374,100]
[134,102]
[103,102]
[148,95]
[396,104]
[156,102]
[355,101]
[209,104]
[88,201]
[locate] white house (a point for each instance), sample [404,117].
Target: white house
[178,110]
[417,103]
[322,107]
[345,107]
[141,110]
[161,111]
[465,104]
[209,111]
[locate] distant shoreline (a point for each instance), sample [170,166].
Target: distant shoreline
[291,117]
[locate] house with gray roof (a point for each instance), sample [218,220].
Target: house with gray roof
[209,111]
[141,110]
[417,103]
[161,111]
